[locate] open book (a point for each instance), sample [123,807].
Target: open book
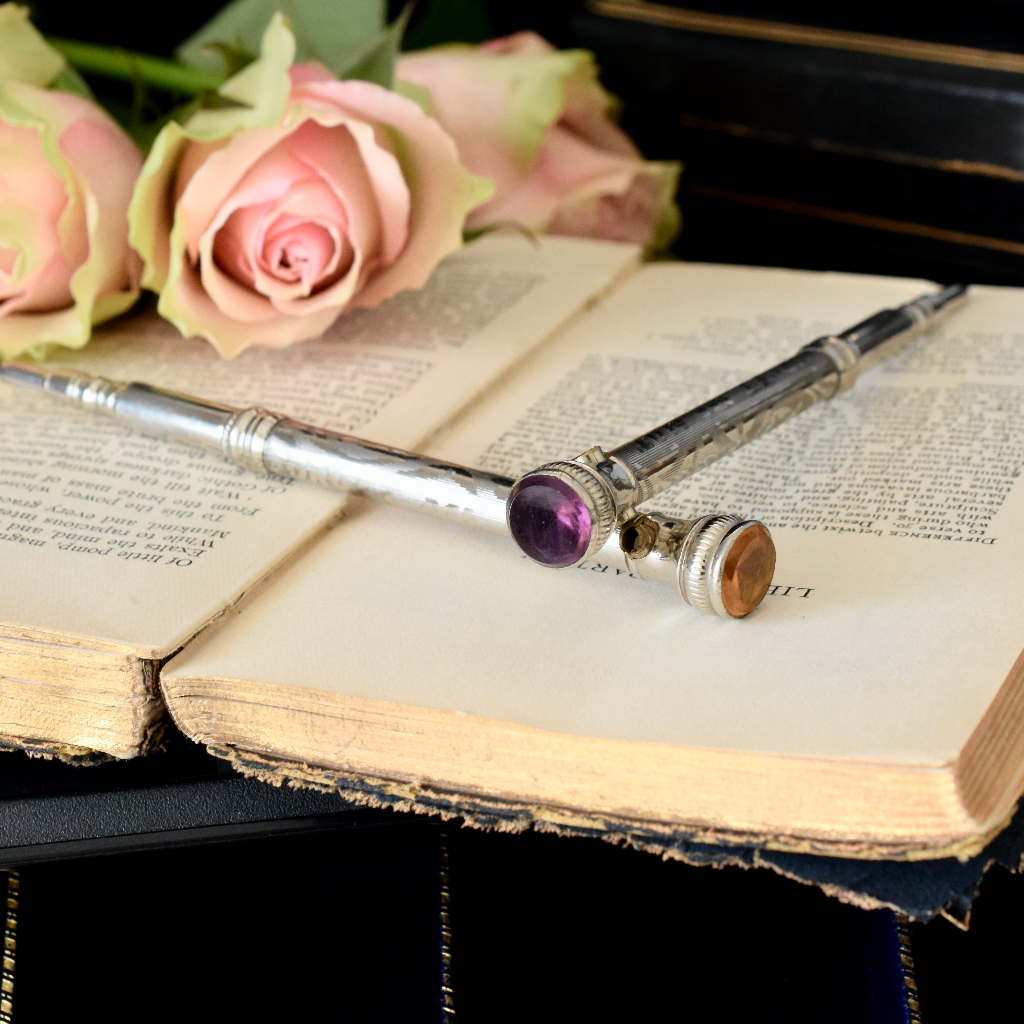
[118,547]
[873,705]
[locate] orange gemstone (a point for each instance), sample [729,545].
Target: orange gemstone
[748,571]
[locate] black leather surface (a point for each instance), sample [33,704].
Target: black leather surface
[51,811]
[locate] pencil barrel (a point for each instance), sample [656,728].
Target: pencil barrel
[403,478]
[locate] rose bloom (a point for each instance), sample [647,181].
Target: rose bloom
[260,224]
[535,120]
[66,177]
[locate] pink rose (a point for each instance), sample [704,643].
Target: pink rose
[317,196]
[66,177]
[535,120]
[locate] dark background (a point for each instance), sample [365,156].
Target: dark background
[990,24]
[343,926]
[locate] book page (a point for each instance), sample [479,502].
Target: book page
[116,536]
[896,611]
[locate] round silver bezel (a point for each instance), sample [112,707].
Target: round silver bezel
[697,561]
[592,490]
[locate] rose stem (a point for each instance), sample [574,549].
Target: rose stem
[113,62]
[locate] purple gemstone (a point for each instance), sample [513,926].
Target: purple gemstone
[549,521]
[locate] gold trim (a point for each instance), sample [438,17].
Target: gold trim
[907,968]
[743,131]
[808,35]
[10,945]
[863,220]
[447,991]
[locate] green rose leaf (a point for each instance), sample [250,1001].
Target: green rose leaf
[69,80]
[235,58]
[376,61]
[329,31]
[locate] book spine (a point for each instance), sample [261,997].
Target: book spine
[447,990]
[10,946]
[912,1013]
[890,988]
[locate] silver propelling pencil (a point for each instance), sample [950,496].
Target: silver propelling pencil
[721,564]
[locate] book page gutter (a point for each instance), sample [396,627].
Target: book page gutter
[121,537]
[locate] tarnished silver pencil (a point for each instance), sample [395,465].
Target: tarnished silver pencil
[720,564]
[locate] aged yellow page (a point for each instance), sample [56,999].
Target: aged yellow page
[121,538]
[895,618]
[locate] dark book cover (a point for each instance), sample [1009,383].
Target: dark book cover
[824,147]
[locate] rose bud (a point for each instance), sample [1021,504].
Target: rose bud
[260,223]
[66,177]
[535,120]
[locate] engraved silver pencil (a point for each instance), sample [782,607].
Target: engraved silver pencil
[563,513]
[727,576]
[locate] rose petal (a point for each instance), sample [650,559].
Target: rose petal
[517,44]
[232,251]
[193,156]
[187,305]
[265,180]
[441,191]
[341,165]
[87,168]
[567,171]
[214,181]
[105,163]
[306,72]
[496,110]
[101,165]
[24,55]
[381,169]
[313,205]
[27,332]
[633,215]
[151,212]
[555,172]
[32,200]
[286,182]
[301,252]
